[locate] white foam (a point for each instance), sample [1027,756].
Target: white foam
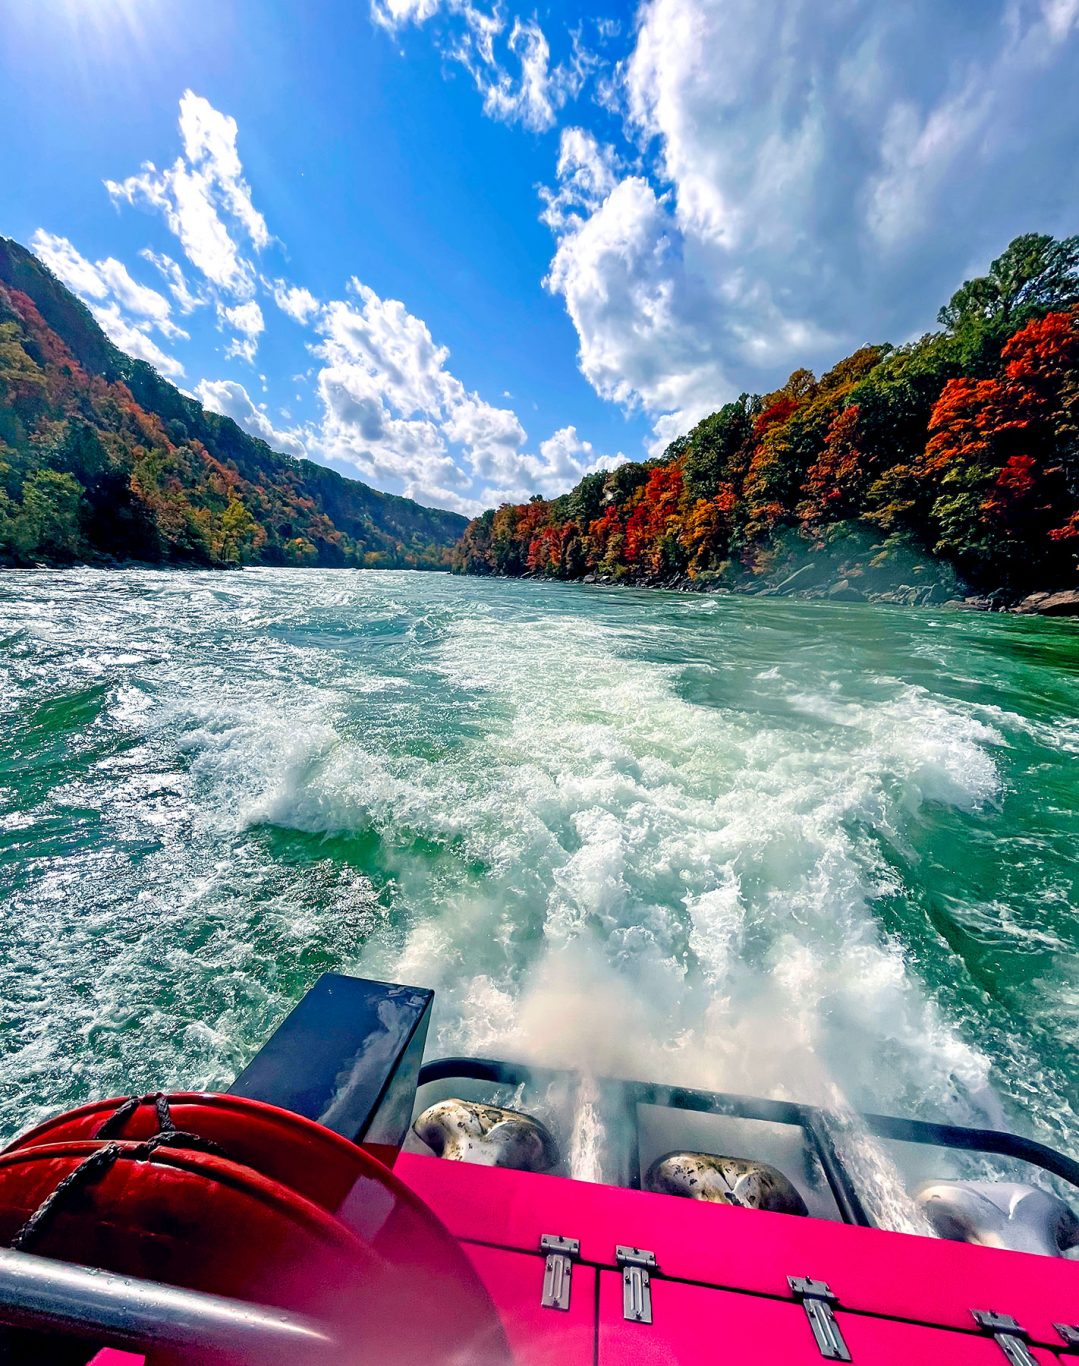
[594,869]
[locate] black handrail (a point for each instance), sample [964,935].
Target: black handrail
[976,1140]
[816,1121]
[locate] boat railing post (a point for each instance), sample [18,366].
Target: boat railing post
[847,1199]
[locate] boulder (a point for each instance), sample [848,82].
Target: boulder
[844,592]
[1031,604]
[809,576]
[1064,604]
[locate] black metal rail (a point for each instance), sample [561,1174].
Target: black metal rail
[819,1125]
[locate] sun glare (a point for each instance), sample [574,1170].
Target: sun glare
[101,34]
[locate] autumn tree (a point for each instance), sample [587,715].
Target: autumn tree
[1002,457]
[241,535]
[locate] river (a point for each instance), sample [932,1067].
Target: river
[824,851]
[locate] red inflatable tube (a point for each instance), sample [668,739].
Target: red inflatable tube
[257,1222]
[299,1153]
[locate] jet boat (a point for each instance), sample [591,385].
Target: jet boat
[349,1201]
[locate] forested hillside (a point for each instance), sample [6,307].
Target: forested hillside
[954,458]
[101,459]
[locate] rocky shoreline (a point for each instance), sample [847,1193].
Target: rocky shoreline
[1061,603]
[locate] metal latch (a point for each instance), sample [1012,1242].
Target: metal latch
[558,1269]
[1009,1336]
[636,1264]
[1069,1333]
[817,1299]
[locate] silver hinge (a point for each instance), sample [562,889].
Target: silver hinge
[817,1299]
[1007,1334]
[558,1269]
[636,1265]
[1069,1333]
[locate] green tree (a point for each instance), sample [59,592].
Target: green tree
[585,503]
[239,533]
[48,520]
[713,446]
[1034,274]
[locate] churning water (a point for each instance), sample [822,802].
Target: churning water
[815,851]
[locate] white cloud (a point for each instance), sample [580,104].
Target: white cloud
[103,280]
[111,294]
[492,438]
[358,429]
[242,348]
[393,410]
[209,139]
[132,337]
[300,304]
[392,14]
[531,97]
[231,399]
[64,260]
[384,390]
[246,318]
[1061,17]
[643,319]
[391,347]
[138,299]
[203,188]
[519,84]
[186,298]
[587,173]
[564,459]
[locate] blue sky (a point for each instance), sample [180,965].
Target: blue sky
[469,250]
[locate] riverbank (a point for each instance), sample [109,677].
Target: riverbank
[1058,603]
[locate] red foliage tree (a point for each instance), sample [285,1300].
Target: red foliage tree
[835,484]
[655,518]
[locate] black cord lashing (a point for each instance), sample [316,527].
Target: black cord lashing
[114,1125]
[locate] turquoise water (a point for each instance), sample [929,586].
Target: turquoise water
[811,850]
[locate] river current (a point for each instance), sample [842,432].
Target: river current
[825,852]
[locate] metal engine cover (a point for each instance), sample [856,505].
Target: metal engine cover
[465,1131]
[1004,1214]
[724,1180]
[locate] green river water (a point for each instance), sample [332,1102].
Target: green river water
[807,850]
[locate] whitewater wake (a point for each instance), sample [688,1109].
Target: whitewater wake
[677,840]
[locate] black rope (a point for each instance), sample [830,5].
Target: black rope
[114,1125]
[97,1164]
[180,1138]
[164,1114]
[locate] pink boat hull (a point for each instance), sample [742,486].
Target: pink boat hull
[720,1291]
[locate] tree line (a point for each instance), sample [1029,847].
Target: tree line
[963,445]
[101,459]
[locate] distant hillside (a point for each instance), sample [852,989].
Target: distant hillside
[903,472]
[101,459]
